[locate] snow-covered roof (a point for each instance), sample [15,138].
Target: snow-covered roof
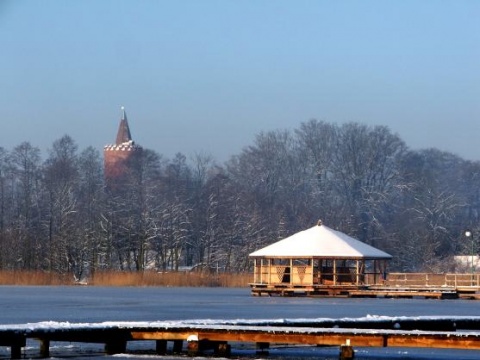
[321,242]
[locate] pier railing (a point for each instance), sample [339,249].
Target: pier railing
[433,279]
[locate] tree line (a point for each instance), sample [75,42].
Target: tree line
[57,214]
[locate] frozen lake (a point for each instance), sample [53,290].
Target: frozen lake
[19,305]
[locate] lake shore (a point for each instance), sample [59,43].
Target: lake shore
[127,278]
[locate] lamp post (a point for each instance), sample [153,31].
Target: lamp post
[469,234]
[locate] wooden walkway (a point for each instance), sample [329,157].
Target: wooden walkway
[451,333]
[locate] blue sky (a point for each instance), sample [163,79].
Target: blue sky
[207,76]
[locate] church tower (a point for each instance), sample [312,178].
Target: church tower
[122,159]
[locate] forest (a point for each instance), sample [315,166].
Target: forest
[57,215]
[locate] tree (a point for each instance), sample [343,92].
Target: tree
[25,163]
[365,177]
[91,242]
[61,181]
[427,228]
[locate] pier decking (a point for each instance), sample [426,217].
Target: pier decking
[451,333]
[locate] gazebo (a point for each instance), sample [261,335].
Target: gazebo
[317,261]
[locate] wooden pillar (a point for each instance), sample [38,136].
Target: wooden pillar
[177,346]
[16,343]
[44,348]
[313,271]
[291,271]
[320,272]
[115,346]
[16,351]
[161,347]
[346,352]
[334,271]
[384,275]
[193,348]
[357,270]
[222,349]
[269,264]
[262,348]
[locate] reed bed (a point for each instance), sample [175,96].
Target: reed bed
[12,277]
[127,278]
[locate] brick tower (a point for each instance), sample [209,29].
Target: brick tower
[122,159]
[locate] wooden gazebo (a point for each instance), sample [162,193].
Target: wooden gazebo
[317,261]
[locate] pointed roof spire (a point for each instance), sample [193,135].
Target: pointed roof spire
[123,134]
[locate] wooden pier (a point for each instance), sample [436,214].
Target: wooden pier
[397,285]
[418,332]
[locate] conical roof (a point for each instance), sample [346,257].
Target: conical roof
[123,134]
[321,242]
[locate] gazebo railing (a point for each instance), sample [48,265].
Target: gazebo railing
[283,274]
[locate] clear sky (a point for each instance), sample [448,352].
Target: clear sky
[206,76]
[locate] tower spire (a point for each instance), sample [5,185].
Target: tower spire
[123,135]
[122,159]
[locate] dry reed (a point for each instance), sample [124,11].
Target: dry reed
[126,278]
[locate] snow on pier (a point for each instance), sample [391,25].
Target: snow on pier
[201,335]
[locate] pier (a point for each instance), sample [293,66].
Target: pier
[218,336]
[396,285]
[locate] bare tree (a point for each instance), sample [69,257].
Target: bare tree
[61,181]
[365,170]
[25,162]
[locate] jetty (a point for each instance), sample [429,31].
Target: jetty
[217,337]
[395,285]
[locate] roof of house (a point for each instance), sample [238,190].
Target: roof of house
[321,242]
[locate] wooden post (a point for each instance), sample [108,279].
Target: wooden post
[115,346]
[346,351]
[16,352]
[16,342]
[291,272]
[161,347]
[222,349]
[177,346]
[192,348]
[269,264]
[262,348]
[44,348]
[357,272]
[334,271]
[313,271]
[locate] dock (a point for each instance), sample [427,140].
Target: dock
[217,337]
[397,285]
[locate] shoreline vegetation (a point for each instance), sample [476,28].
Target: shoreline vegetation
[127,278]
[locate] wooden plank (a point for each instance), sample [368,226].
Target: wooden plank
[396,293]
[377,338]
[434,341]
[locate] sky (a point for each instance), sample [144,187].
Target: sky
[208,76]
